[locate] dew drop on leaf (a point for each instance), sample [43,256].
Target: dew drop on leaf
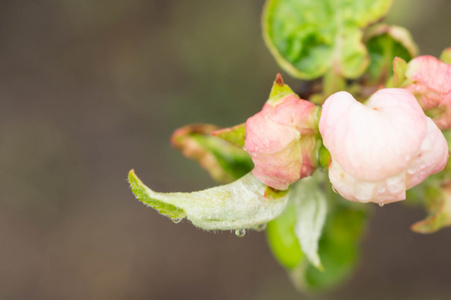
[176,220]
[240,232]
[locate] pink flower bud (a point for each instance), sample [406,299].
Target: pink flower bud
[382,148]
[431,83]
[282,140]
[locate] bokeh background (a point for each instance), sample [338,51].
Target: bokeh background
[92,88]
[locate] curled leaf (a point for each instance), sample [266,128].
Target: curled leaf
[384,43]
[224,161]
[438,204]
[238,205]
[309,38]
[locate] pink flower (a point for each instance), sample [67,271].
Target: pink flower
[382,148]
[431,83]
[282,140]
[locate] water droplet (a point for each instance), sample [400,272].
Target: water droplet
[244,148]
[240,232]
[381,204]
[260,227]
[333,189]
[176,220]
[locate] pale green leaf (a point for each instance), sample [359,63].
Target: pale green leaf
[311,210]
[238,205]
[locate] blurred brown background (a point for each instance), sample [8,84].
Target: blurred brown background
[92,88]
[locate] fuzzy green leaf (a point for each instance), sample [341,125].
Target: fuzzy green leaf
[141,192]
[310,37]
[238,205]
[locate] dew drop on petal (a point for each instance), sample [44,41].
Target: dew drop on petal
[176,220]
[333,189]
[240,232]
[381,204]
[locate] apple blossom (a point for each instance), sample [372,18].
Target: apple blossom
[282,140]
[431,83]
[381,148]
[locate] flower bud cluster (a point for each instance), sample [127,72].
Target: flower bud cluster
[282,141]
[378,150]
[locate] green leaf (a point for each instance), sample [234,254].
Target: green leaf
[235,135]
[446,56]
[399,73]
[339,246]
[311,210]
[142,194]
[310,37]
[324,157]
[238,205]
[283,241]
[279,90]
[301,225]
[447,134]
[384,43]
[438,205]
[224,161]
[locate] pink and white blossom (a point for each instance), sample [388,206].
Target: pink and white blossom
[431,83]
[381,148]
[282,141]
